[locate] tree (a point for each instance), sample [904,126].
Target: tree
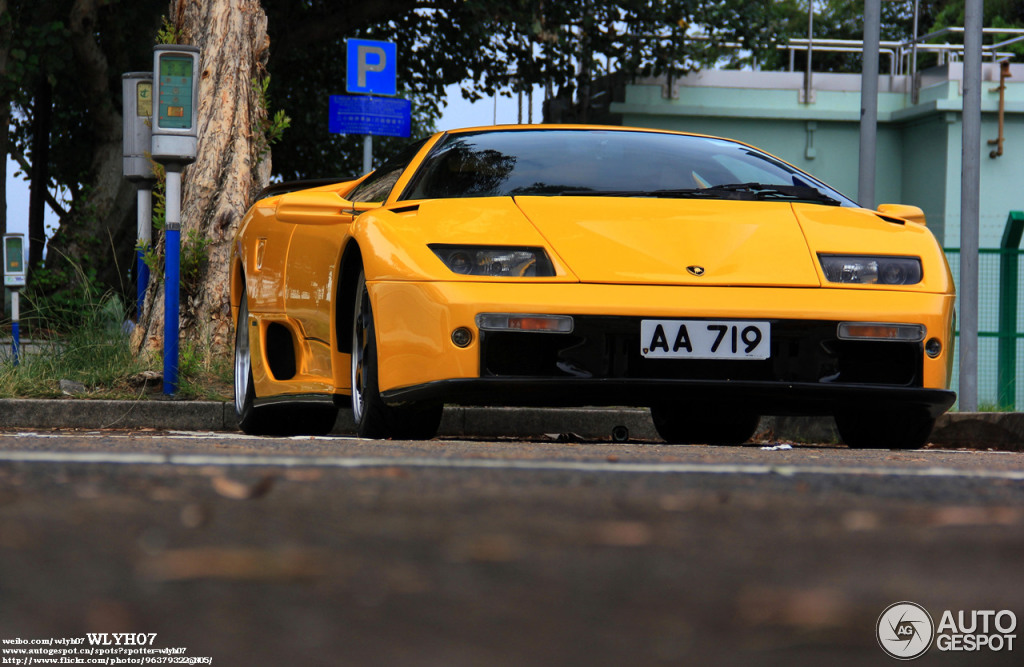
[841,19]
[75,51]
[488,47]
[232,164]
[5,115]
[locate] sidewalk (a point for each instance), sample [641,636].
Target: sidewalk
[983,430]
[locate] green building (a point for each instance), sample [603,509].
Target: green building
[817,128]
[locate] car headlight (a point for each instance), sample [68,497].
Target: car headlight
[871,270]
[499,261]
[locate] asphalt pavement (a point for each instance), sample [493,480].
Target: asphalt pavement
[981,430]
[460,553]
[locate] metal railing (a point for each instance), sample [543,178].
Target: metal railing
[1000,318]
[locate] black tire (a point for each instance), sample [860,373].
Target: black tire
[885,428]
[373,417]
[272,419]
[709,425]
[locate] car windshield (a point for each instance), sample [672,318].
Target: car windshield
[608,162]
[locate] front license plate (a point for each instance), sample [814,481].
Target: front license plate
[705,339]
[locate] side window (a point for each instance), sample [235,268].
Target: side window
[378,186]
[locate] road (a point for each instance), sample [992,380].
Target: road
[337,551]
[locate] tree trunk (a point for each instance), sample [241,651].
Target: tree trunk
[42,110]
[5,121]
[228,172]
[101,233]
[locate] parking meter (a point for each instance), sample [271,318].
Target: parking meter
[14,278]
[175,120]
[14,261]
[176,94]
[137,93]
[137,96]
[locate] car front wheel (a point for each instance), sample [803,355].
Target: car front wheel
[884,428]
[373,417]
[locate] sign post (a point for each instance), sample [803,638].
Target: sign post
[176,92]
[14,279]
[371,69]
[137,96]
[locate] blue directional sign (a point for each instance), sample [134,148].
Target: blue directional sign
[371,67]
[379,116]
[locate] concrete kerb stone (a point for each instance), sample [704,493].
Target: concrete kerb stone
[996,430]
[96,414]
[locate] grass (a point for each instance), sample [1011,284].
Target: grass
[92,348]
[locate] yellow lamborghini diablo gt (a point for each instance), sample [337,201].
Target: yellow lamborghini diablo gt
[573,265]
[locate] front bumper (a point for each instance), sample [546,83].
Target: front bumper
[766,398]
[599,364]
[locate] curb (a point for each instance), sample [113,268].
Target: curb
[981,430]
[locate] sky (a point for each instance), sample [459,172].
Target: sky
[458,113]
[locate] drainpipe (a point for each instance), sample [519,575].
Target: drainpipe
[1004,74]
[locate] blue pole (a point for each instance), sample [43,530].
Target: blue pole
[15,333]
[15,342]
[171,285]
[172,279]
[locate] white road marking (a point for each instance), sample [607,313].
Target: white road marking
[243,460]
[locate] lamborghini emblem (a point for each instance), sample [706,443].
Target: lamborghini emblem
[696,270]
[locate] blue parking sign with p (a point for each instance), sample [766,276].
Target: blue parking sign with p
[371,67]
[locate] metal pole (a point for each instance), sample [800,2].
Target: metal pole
[808,83]
[172,277]
[145,240]
[367,154]
[15,333]
[969,206]
[869,103]
[913,57]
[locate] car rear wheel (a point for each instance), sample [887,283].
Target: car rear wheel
[885,428]
[692,424]
[271,419]
[373,417]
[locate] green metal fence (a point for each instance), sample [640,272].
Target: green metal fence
[1000,319]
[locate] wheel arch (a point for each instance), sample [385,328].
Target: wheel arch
[237,283]
[349,269]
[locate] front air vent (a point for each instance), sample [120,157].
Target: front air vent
[280,351]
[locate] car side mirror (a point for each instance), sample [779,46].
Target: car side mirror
[909,213]
[319,207]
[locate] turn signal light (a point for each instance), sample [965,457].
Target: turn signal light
[517,322]
[913,333]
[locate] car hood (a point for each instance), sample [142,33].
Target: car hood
[675,241]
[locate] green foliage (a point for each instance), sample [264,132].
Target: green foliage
[192,257]
[841,19]
[268,129]
[193,261]
[95,352]
[60,300]
[168,32]
[487,46]
[41,35]
[76,338]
